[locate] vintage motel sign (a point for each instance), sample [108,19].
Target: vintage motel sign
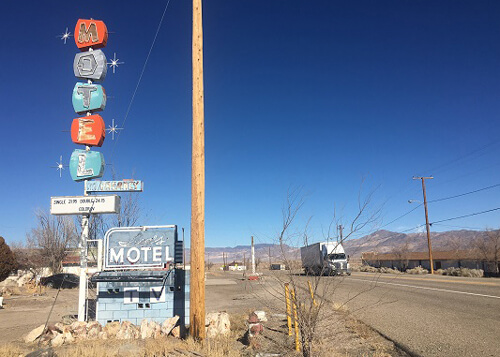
[84,204]
[139,247]
[88,97]
[89,130]
[86,165]
[90,33]
[90,65]
[114,186]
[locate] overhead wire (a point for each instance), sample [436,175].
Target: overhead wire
[140,76]
[438,168]
[464,194]
[442,199]
[466,215]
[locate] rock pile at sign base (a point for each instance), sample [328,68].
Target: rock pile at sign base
[60,334]
[217,324]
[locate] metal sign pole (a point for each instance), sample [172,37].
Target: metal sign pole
[82,293]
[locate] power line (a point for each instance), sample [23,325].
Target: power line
[471,153]
[466,215]
[441,199]
[140,77]
[464,194]
[403,215]
[461,227]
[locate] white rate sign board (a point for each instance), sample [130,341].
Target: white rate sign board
[66,205]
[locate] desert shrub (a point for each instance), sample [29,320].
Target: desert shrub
[389,270]
[466,272]
[368,269]
[7,260]
[417,270]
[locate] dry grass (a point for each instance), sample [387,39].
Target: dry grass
[217,347]
[10,350]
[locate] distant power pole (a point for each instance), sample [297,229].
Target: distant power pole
[431,262]
[253,258]
[197,299]
[270,257]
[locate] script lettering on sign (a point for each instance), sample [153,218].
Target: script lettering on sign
[133,247]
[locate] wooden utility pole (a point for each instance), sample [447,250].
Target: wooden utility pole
[197,300]
[253,258]
[431,262]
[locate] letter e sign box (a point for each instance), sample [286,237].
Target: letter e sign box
[89,130]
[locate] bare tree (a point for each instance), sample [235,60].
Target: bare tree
[312,295]
[488,246]
[52,237]
[130,211]
[402,254]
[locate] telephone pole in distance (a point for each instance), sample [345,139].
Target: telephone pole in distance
[431,262]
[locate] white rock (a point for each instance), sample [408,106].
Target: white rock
[148,329]
[58,340]
[168,325]
[128,331]
[261,315]
[34,334]
[217,323]
[68,337]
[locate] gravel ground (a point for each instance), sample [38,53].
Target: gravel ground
[340,334]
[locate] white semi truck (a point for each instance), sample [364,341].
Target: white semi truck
[325,258]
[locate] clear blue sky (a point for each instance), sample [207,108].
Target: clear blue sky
[316,94]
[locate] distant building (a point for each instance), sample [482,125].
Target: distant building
[442,260]
[236,266]
[278,267]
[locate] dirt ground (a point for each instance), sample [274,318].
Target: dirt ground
[225,291]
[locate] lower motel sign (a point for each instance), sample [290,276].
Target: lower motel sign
[140,279]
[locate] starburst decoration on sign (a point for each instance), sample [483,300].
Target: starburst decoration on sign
[65,35]
[112,129]
[114,62]
[60,166]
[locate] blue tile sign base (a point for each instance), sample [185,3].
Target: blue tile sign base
[126,296]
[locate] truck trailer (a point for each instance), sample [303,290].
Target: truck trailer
[324,258]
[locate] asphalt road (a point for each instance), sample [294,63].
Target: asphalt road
[428,315]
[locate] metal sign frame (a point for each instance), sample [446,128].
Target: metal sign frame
[115,198]
[135,229]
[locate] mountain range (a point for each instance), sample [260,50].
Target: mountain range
[381,241]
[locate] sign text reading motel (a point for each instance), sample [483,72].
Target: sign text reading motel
[139,247]
[66,205]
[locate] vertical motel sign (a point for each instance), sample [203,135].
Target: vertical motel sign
[88,97]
